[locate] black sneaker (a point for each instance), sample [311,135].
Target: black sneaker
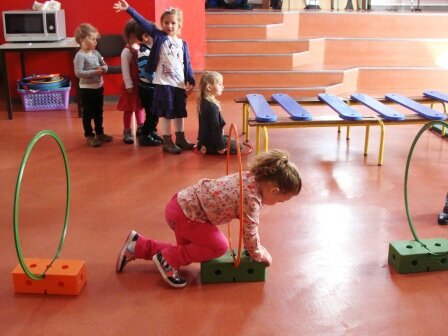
[445,208]
[155,136]
[148,140]
[443,218]
[138,132]
[126,255]
[169,274]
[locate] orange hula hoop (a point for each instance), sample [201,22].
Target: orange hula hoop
[237,259]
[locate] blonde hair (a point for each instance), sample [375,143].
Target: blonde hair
[83,31]
[208,78]
[173,11]
[274,166]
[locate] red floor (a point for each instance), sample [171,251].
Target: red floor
[330,274]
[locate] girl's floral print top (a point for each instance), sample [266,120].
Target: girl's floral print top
[170,69]
[218,202]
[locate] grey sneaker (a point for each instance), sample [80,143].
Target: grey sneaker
[126,255]
[169,274]
[128,137]
[104,137]
[92,141]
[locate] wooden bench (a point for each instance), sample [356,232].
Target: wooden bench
[418,108]
[367,121]
[442,98]
[308,101]
[293,108]
[384,111]
[261,108]
[339,106]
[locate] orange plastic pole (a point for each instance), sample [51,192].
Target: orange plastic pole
[236,261]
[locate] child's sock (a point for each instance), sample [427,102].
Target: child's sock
[166,126]
[179,124]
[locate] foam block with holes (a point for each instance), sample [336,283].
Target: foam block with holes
[222,269]
[65,277]
[409,256]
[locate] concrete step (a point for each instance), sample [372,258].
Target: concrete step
[243,18]
[246,32]
[373,52]
[376,81]
[281,79]
[255,62]
[286,29]
[334,53]
[256,46]
[373,24]
[313,55]
[297,84]
[369,52]
[404,80]
[233,93]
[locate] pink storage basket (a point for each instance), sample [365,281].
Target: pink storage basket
[56,99]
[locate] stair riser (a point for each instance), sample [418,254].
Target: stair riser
[283,80]
[253,62]
[287,29]
[403,81]
[309,92]
[240,33]
[371,24]
[256,47]
[250,18]
[423,53]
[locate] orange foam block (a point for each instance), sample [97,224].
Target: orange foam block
[65,277]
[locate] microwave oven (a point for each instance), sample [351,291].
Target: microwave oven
[33,26]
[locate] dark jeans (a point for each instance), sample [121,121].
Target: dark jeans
[92,108]
[146,92]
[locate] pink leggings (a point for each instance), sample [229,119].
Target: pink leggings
[139,116]
[196,241]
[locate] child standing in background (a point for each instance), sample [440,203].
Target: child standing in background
[129,101]
[211,139]
[194,213]
[89,67]
[443,216]
[173,74]
[148,132]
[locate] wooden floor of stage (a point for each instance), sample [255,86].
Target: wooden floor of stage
[330,274]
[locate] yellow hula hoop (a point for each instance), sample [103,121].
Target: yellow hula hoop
[237,259]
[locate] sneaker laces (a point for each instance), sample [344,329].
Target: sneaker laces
[169,270]
[166,267]
[176,275]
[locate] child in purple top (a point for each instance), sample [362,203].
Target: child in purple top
[194,213]
[173,75]
[89,67]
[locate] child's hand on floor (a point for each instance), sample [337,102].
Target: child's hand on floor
[266,256]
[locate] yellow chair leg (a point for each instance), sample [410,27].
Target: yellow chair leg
[366,140]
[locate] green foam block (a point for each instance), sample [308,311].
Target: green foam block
[222,269]
[409,256]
